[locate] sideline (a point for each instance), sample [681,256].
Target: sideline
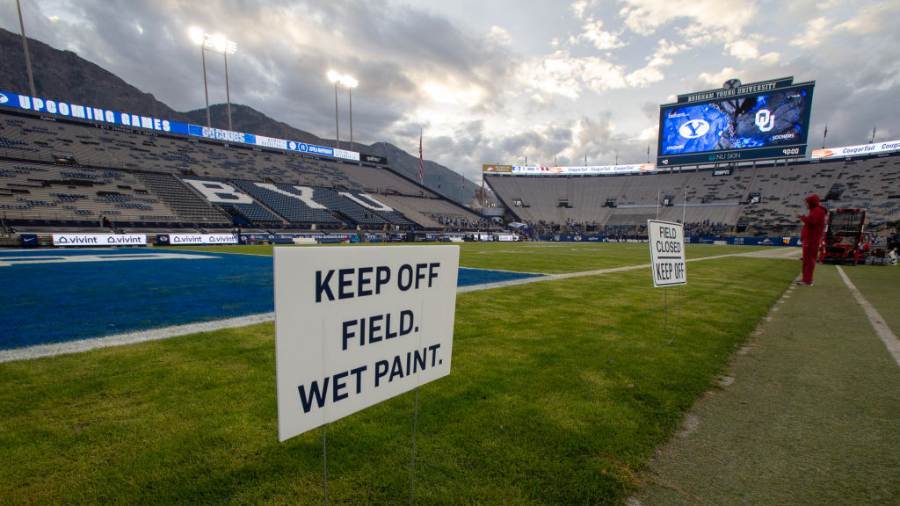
[878,323]
[809,396]
[48,350]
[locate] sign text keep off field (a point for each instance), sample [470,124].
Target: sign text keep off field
[356,326]
[667,253]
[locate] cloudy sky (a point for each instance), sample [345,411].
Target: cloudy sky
[494,81]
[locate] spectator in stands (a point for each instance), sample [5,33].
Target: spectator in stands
[811,236]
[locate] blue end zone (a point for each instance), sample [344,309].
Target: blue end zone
[44,303]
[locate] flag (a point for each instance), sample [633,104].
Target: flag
[421,161]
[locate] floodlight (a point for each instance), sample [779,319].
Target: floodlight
[349,81]
[334,76]
[221,44]
[197,35]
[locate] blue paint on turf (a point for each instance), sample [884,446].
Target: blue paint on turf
[51,303]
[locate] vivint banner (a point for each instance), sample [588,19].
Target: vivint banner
[862,149]
[541,170]
[99,239]
[176,239]
[357,326]
[99,115]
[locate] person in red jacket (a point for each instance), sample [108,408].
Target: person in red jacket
[811,236]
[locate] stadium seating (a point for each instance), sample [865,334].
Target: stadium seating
[293,209]
[160,163]
[79,197]
[870,183]
[67,173]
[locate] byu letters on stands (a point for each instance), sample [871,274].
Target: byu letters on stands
[358,325]
[667,253]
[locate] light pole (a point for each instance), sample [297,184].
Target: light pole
[220,44]
[25,48]
[350,82]
[335,78]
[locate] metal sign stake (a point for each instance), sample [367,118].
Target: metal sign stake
[412,464]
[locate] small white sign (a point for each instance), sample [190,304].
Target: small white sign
[176,239]
[356,326]
[667,253]
[99,239]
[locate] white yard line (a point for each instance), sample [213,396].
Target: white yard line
[875,319]
[124,257]
[46,350]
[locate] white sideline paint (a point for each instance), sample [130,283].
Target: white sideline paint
[875,319]
[63,259]
[47,350]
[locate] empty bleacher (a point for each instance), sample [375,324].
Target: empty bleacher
[160,162]
[701,197]
[79,196]
[293,209]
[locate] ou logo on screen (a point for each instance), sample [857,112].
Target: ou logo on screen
[693,129]
[765,120]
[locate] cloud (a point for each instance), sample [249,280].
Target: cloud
[717,78]
[872,19]
[652,71]
[499,35]
[568,76]
[592,31]
[815,32]
[578,8]
[748,49]
[723,16]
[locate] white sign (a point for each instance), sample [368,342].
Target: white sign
[667,253]
[175,239]
[357,326]
[862,149]
[99,239]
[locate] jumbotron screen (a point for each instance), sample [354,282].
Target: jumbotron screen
[772,124]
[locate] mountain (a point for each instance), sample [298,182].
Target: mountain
[63,75]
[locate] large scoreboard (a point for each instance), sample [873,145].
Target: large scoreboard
[768,119]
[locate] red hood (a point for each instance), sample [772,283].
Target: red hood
[813,201]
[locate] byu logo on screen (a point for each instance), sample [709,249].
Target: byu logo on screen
[693,129]
[765,120]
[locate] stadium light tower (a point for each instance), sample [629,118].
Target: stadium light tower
[334,78]
[350,82]
[220,44]
[25,50]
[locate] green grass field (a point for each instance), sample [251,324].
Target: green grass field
[548,258]
[560,393]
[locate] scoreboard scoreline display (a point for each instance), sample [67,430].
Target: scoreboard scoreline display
[757,121]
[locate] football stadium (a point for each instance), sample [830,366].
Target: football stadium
[214,306]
